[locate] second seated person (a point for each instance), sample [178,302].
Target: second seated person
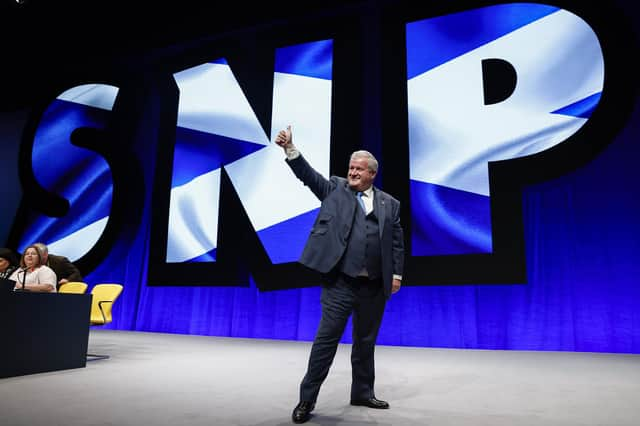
[65,270]
[33,275]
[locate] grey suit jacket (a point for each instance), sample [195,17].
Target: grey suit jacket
[330,233]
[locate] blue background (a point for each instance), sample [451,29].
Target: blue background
[583,294]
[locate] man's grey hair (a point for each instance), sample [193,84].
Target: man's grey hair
[42,247]
[371,160]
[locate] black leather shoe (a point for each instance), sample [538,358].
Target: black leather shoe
[371,403]
[302,412]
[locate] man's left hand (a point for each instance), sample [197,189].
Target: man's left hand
[395,285]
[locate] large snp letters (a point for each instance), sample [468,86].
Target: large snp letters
[454,135]
[217,128]
[79,175]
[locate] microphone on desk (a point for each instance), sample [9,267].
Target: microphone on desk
[24,279]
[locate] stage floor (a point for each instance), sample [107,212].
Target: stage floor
[170,379]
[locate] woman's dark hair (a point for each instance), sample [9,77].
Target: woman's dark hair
[9,255]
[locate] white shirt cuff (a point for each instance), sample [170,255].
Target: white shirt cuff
[292,152]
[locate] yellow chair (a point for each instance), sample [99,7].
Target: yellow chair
[103,297]
[73,287]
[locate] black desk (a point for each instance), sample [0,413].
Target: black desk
[43,332]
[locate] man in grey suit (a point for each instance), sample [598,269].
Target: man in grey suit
[357,243]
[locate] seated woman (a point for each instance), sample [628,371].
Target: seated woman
[33,274]
[8,262]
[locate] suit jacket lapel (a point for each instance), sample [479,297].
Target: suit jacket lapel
[379,208]
[350,210]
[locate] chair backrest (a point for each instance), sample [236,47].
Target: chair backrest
[104,295]
[74,287]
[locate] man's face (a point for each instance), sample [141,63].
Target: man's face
[360,177]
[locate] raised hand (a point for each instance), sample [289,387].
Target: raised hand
[284,138]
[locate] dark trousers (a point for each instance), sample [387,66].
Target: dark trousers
[365,299]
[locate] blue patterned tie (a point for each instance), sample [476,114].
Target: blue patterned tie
[361,201]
